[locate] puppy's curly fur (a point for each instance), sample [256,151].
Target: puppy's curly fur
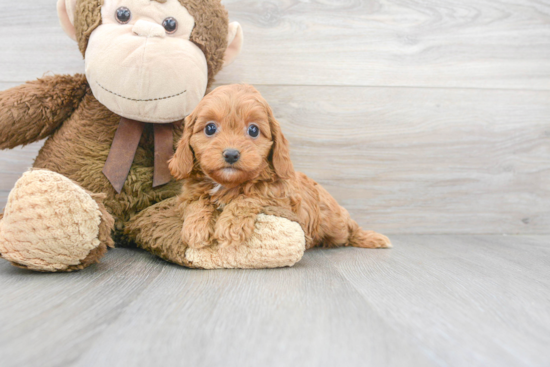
[221,198]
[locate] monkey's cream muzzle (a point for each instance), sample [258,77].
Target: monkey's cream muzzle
[138,70]
[140,73]
[147,29]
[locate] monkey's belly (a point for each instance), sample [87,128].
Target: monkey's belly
[81,157]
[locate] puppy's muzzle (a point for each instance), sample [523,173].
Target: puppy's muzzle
[231,155]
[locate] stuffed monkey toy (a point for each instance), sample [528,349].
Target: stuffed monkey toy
[102,176]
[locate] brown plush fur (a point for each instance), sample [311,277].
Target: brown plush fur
[81,133]
[220,201]
[209,34]
[78,150]
[158,229]
[34,110]
[87,18]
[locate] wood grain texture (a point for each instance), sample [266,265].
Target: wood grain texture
[33,43]
[454,43]
[430,301]
[405,160]
[430,43]
[450,286]
[425,160]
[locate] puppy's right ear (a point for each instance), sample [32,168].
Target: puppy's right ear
[181,165]
[280,151]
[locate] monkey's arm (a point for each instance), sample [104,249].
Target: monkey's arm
[34,110]
[276,241]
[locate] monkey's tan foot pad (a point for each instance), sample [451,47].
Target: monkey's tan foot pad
[277,242]
[52,224]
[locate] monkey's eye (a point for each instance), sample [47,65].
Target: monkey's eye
[123,15]
[253,131]
[170,24]
[210,129]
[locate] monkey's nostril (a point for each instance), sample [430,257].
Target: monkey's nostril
[231,155]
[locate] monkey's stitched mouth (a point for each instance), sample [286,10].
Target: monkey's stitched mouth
[140,100]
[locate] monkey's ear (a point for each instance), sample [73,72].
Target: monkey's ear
[66,11]
[235,41]
[181,165]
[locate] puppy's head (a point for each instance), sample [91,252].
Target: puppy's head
[232,137]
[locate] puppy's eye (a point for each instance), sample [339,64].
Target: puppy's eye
[170,24]
[253,131]
[123,15]
[210,129]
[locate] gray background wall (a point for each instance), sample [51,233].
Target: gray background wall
[419,116]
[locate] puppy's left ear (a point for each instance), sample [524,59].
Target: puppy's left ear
[280,151]
[181,165]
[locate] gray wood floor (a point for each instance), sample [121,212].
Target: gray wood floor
[430,301]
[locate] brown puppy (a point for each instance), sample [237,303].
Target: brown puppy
[236,162]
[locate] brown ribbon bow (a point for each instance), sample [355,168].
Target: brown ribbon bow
[123,151]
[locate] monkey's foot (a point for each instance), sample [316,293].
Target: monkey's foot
[276,242]
[51,224]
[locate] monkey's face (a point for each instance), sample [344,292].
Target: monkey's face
[141,61]
[141,69]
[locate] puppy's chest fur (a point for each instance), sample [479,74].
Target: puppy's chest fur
[220,196]
[217,196]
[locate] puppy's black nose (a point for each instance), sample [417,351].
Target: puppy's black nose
[231,155]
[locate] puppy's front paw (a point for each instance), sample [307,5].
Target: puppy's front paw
[233,231]
[196,234]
